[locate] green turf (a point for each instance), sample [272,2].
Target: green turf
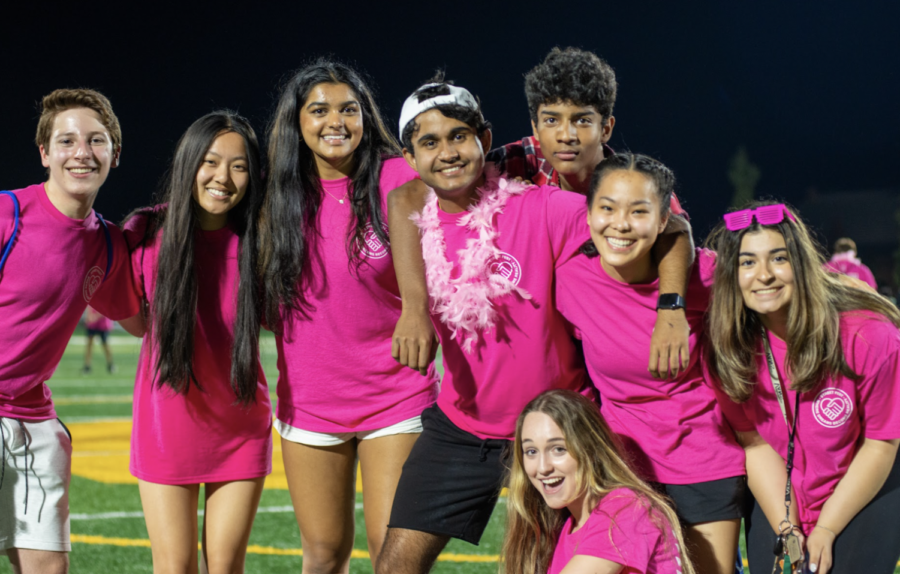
[271,529]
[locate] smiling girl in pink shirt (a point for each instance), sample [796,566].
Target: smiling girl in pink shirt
[672,430]
[201,403]
[812,363]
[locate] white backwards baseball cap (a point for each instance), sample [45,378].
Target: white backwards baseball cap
[412,107]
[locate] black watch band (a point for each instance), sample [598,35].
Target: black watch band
[670,301]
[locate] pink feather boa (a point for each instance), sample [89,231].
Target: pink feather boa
[464,304]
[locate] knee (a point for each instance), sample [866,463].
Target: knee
[174,563]
[325,557]
[225,564]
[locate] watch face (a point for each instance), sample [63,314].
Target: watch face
[670,301]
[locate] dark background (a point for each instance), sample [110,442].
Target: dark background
[810,89]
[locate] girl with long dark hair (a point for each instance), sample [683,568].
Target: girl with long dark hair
[201,404]
[672,430]
[813,369]
[574,504]
[331,297]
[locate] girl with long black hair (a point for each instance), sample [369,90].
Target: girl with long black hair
[201,404]
[331,297]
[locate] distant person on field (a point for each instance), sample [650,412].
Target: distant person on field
[845,261]
[97,326]
[58,255]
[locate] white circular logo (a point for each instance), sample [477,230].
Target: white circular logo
[506,266]
[372,247]
[832,408]
[92,281]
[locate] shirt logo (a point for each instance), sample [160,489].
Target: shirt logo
[832,408]
[372,247]
[92,281]
[506,266]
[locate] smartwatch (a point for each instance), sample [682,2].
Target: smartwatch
[670,301]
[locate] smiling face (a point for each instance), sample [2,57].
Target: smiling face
[625,220]
[449,156]
[222,180]
[548,464]
[765,275]
[331,124]
[79,155]
[572,138]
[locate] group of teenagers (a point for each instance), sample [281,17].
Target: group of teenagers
[637,396]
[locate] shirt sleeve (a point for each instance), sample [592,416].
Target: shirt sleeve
[7,220]
[706,260]
[676,209]
[621,530]
[117,297]
[509,159]
[566,224]
[875,355]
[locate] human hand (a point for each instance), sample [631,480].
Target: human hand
[818,546]
[521,179]
[669,349]
[413,344]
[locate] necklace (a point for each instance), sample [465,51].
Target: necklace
[339,200]
[465,304]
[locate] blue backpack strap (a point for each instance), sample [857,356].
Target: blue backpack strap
[109,246]
[12,238]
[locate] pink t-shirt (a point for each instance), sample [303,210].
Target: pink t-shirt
[56,266]
[850,265]
[621,530]
[201,436]
[96,321]
[530,349]
[833,417]
[672,430]
[336,373]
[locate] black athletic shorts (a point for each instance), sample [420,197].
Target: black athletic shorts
[102,334]
[450,482]
[711,501]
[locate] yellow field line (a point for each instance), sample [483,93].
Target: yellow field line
[94,400]
[257,549]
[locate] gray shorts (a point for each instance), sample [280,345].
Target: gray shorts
[36,466]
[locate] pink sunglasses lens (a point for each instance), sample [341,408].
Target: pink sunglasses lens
[770,214]
[738,220]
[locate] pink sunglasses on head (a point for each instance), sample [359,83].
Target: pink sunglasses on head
[765,215]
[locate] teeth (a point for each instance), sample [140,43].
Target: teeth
[334,138]
[766,291]
[81,170]
[552,481]
[451,170]
[615,242]
[217,192]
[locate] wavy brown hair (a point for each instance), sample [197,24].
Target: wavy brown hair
[533,528]
[813,327]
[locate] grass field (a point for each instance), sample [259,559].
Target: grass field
[108,531]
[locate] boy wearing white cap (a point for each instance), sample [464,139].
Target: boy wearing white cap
[491,246]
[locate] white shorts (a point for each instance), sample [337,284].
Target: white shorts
[34,496]
[293,434]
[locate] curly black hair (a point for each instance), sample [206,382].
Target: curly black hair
[571,75]
[468,116]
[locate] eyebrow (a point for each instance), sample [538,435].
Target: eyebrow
[748,254]
[637,202]
[555,439]
[312,104]
[575,115]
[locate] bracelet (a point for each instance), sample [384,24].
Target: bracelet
[833,533]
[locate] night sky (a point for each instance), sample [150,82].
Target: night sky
[811,89]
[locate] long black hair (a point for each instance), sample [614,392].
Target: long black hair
[174,312]
[294,192]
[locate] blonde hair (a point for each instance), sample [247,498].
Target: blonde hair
[59,101]
[533,528]
[813,326]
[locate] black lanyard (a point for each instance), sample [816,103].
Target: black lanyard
[792,427]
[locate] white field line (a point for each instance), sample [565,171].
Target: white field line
[113,341]
[93,383]
[94,400]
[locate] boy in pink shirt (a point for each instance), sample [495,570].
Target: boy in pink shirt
[491,247]
[82,259]
[846,261]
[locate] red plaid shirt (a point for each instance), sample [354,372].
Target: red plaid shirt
[524,159]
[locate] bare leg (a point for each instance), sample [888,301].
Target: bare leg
[713,545]
[171,515]
[88,353]
[409,551]
[26,561]
[108,352]
[230,510]
[382,461]
[322,482]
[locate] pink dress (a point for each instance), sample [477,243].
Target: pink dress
[201,436]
